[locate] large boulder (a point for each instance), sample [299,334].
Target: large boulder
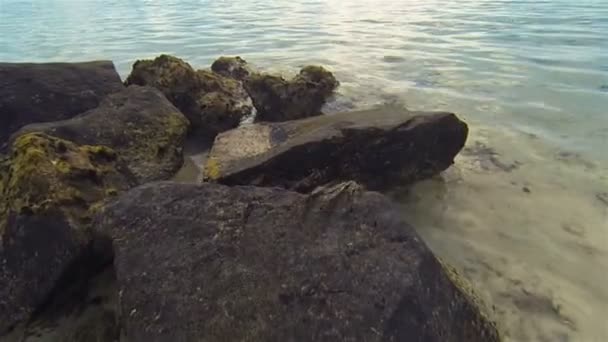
[278,99]
[378,148]
[139,123]
[211,102]
[58,174]
[51,91]
[216,263]
[49,190]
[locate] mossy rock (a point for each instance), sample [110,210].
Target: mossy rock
[213,103]
[233,67]
[139,123]
[58,175]
[44,172]
[50,189]
[278,99]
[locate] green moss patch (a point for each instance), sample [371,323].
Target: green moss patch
[44,172]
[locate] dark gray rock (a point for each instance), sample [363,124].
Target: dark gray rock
[51,91]
[378,148]
[216,263]
[278,99]
[79,312]
[139,123]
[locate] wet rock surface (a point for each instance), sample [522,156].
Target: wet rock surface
[278,99]
[139,123]
[217,263]
[51,91]
[49,190]
[211,102]
[233,67]
[378,148]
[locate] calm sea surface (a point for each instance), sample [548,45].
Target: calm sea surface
[537,66]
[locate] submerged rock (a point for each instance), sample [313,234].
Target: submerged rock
[277,99]
[145,130]
[211,102]
[49,190]
[378,148]
[218,263]
[233,67]
[51,91]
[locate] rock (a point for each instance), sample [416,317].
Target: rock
[215,263]
[59,173]
[51,91]
[145,129]
[602,197]
[232,67]
[79,312]
[277,99]
[378,148]
[49,190]
[211,102]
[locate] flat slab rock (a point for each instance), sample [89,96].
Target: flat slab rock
[51,91]
[216,263]
[378,148]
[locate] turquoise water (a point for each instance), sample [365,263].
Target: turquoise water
[537,66]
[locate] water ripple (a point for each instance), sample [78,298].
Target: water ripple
[520,54]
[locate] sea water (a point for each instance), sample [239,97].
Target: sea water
[523,213]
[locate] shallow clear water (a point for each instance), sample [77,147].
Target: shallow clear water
[539,66]
[531,77]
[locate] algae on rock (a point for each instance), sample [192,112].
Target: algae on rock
[233,67]
[45,173]
[211,102]
[59,174]
[278,99]
[139,123]
[49,190]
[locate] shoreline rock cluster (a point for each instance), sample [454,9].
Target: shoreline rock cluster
[284,240]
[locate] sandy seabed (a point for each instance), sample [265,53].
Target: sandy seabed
[528,226]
